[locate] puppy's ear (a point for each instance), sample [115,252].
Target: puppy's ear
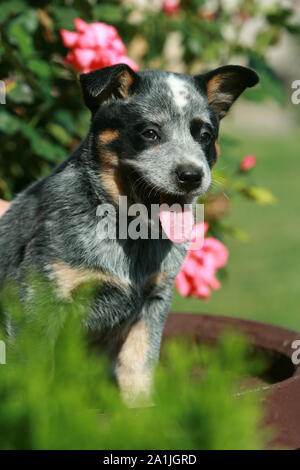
[117,80]
[225,84]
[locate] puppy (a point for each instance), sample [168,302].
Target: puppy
[153,138]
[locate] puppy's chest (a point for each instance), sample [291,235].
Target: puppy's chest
[131,269]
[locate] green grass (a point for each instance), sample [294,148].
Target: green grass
[263,281]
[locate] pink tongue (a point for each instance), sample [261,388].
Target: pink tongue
[177,224]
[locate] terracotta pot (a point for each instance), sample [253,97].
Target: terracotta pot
[281,393]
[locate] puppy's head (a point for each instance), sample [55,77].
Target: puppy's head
[154,134]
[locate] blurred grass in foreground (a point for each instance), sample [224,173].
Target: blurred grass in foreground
[55,394]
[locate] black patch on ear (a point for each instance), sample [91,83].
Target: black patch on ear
[225,84]
[117,80]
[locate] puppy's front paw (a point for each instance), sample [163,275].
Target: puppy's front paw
[135,387]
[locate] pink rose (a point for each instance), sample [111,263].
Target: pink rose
[248,162]
[198,272]
[4,205]
[171,6]
[93,46]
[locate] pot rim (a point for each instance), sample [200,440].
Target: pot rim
[277,338]
[280,399]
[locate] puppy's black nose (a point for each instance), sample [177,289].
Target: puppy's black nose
[189,176]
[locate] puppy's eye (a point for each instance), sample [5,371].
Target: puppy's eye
[150,134]
[205,136]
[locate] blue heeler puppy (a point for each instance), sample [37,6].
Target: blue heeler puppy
[153,138]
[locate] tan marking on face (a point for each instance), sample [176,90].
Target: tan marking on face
[132,372]
[69,279]
[107,136]
[110,175]
[109,165]
[217,148]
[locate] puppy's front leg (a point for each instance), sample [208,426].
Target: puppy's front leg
[133,373]
[140,351]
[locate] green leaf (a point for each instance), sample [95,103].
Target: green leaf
[21,29]
[233,231]
[64,16]
[59,133]
[9,124]
[261,195]
[40,145]
[27,20]
[20,38]
[65,118]
[10,8]
[84,8]
[40,67]
[108,13]
[20,93]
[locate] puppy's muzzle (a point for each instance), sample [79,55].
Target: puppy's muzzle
[189,177]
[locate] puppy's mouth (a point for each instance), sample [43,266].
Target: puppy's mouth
[144,192]
[175,212]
